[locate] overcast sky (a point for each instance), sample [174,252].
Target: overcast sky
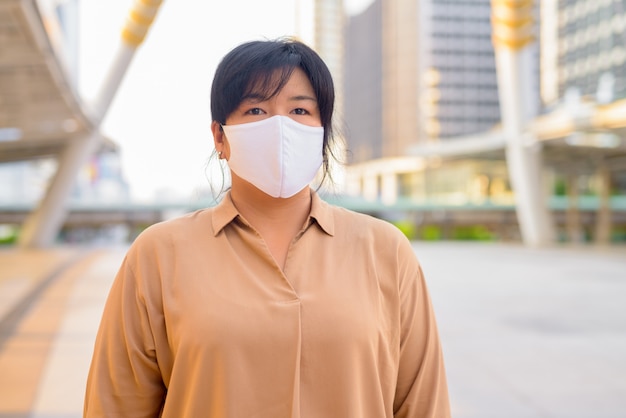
[160,116]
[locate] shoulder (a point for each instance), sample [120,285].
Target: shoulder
[372,237]
[161,246]
[355,225]
[184,228]
[380,244]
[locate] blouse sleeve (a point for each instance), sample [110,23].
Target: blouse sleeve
[124,379]
[421,389]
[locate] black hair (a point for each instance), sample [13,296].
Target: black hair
[263,68]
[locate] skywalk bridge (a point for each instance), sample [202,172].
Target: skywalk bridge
[497,218]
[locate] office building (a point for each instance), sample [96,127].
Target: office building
[458,85]
[583,50]
[363,89]
[418,71]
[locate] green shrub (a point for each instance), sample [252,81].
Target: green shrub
[8,234]
[472,233]
[431,233]
[407,228]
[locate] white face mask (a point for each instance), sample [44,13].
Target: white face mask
[277,155]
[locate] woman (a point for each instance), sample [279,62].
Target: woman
[273,303]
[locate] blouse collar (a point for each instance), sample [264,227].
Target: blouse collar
[321,212]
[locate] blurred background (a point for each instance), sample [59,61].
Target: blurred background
[492,133]
[460,120]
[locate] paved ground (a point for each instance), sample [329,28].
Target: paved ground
[526,333]
[530,333]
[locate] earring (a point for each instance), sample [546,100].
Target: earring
[219,154]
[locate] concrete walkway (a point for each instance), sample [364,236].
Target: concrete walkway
[526,333]
[47,334]
[531,333]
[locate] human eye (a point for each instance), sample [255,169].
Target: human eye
[254,111]
[300,111]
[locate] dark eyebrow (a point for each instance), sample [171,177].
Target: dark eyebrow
[302,97]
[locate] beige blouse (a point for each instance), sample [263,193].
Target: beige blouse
[201,322]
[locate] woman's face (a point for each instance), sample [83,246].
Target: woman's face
[296,100]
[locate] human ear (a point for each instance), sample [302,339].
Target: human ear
[219,139]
